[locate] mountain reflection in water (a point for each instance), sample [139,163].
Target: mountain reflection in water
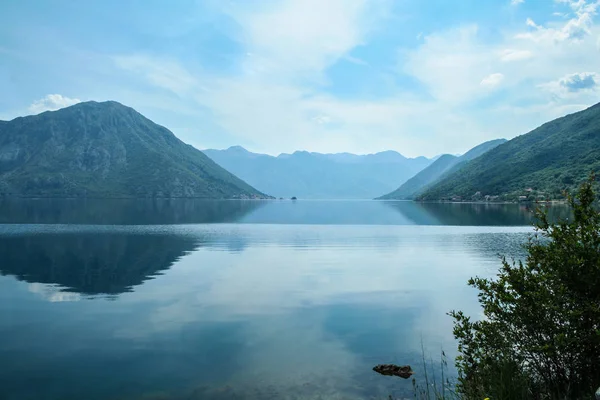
[317,212]
[92,263]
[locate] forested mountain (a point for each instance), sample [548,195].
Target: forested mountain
[442,166]
[315,175]
[540,164]
[106,150]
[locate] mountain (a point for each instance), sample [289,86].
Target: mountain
[442,166]
[106,150]
[540,164]
[315,175]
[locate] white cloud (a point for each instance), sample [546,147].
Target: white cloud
[580,5]
[51,102]
[296,38]
[515,55]
[270,105]
[279,100]
[322,119]
[575,29]
[355,60]
[162,73]
[449,62]
[532,24]
[492,80]
[516,2]
[580,81]
[574,85]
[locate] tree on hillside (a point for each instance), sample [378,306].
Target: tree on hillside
[540,332]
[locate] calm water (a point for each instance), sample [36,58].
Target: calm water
[248,300]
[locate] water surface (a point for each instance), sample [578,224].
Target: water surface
[250,300]
[328,212]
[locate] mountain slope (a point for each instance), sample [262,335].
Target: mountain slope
[106,150]
[556,156]
[316,175]
[444,165]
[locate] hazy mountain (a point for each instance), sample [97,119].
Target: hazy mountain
[316,175]
[556,156]
[106,150]
[440,168]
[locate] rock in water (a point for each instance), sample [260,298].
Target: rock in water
[394,370]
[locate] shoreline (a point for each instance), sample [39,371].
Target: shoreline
[549,202]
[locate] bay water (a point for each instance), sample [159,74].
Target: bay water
[193,299]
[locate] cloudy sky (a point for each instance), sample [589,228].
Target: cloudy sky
[422,77]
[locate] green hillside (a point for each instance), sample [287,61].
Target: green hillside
[106,150]
[443,166]
[540,164]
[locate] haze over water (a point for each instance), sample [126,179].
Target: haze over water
[186,299]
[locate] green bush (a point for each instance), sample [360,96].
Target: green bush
[539,337]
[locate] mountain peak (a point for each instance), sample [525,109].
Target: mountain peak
[389,152]
[238,149]
[106,149]
[107,104]
[100,109]
[386,156]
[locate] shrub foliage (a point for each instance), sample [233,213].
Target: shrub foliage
[539,336]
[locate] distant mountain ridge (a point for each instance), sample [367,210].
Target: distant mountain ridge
[106,149]
[381,157]
[538,165]
[316,175]
[443,166]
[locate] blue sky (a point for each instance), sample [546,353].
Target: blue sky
[422,77]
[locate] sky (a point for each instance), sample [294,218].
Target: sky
[422,77]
